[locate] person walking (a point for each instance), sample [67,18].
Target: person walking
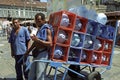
[19,42]
[8,29]
[29,27]
[42,42]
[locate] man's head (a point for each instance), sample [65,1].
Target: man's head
[28,24]
[16,23]
[39,19]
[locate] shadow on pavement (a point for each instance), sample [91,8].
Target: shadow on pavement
[59,77]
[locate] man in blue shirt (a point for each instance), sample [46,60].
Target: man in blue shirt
[20,42]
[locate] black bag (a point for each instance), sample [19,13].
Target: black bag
[35,53]
[75,68]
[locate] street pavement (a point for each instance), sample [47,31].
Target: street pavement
[7,64]
[7,70]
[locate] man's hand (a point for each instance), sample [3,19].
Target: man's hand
[34,38]
[12,55]
[26,54]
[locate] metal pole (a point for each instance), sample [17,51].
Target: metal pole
[31,7]
[25,11]
[31,1]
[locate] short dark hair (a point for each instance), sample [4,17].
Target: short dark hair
[28,24]
[15,19]
[40,14]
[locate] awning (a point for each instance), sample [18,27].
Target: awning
[27,21]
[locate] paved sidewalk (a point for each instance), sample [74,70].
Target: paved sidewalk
[6,62]
[7,70]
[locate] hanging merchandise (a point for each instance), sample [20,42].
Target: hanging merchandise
[58,52]
[62,36]
[78,25]
[75,40]
[65,20]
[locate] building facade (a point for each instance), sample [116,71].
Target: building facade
[107,5]
[26,9]
[23,9]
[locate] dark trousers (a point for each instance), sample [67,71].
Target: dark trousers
[20,68]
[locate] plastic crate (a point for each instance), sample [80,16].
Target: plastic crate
[77,40]
[98,44]
[60,53]
[99,29]
[106,56]
[86,56]
[62,18]
[66,34]
[96,58]
[111,30]
[81,23]
[92,27]
[74,55]
[56,16]
[108,45]
[89,42]
[51,19]
[108,32]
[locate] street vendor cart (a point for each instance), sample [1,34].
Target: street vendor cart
[80,46]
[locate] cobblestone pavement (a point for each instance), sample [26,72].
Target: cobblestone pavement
[7,64]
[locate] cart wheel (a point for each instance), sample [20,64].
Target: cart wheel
[94,76]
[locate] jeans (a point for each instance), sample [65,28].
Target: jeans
[38,69]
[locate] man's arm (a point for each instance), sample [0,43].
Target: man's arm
[42,42]
[27,38]
[28,44]
[12,51]
[30,48]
